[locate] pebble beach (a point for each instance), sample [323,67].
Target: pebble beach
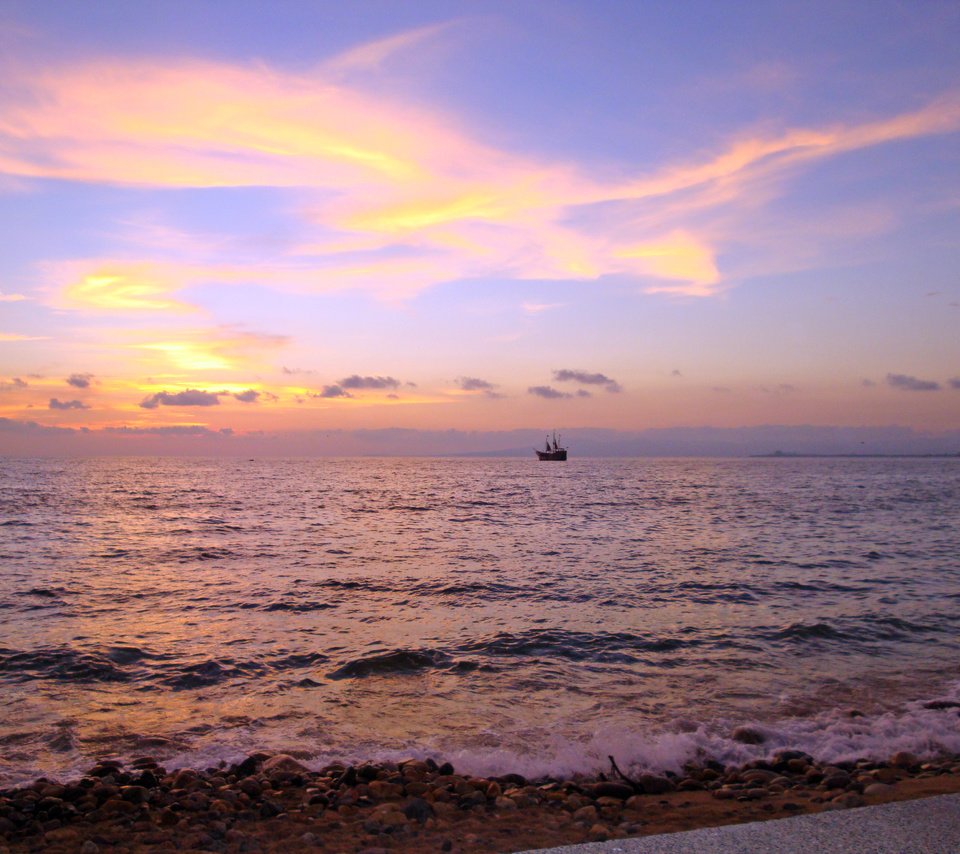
[276,803]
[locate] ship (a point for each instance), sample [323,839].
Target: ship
[553,451]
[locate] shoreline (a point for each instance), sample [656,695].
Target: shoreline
[274,803]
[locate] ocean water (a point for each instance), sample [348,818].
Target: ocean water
[507,615]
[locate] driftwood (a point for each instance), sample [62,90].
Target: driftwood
[637,787]
[347,778]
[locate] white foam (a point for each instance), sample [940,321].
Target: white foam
[832,736]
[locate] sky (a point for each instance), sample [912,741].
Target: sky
[250,221]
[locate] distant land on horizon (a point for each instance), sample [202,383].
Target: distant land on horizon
[791,455]
[25,438]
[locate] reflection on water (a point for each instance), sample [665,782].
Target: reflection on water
[504,607]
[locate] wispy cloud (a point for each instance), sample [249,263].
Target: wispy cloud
[372,55]
[587,378]
[188,397]
[15,336]
[12,297]
[782,388]
[79,380]
[117,285]
[332,391]
[212,349]
[475,384]
[547,392]
[538,307]
[405,198]
[12,425]
[355,381]
[67,404]
[908,383]
[170,430]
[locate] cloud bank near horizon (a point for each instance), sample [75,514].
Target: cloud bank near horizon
[29,437]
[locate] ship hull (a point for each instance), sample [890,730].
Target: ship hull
[553,456]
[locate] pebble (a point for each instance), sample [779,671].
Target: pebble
[383,790]
[848,800]
[904,759]
[184,778]
[653,784]
[748,735]
[612,790]
[599,833]
[586,814]
[282,764]
[418,810]
[759,775]
[837,781]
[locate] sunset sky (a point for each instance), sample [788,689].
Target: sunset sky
[238,218]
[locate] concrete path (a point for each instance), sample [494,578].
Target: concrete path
[924,826]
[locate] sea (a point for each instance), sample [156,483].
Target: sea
[505,615]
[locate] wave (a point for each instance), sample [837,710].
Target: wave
[293,607]
[927,728]
[44,592]
[298,660]
[188,554]
[396,661]
[208,673]
[132,655]
[365,584]
[833,736]
[600,647]
[144,668]
[805,631]
[572,645]
[857,633]
[484,590]
[59,664]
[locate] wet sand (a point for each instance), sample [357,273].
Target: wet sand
[274,803]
